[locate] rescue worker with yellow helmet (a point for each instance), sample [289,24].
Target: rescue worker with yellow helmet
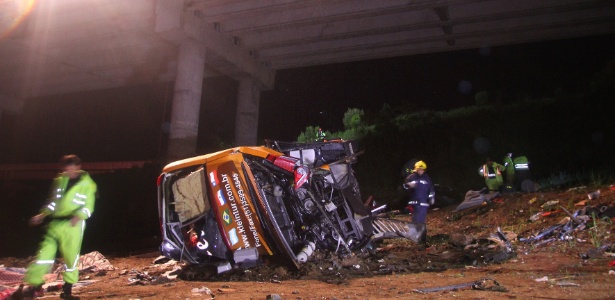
[422,195]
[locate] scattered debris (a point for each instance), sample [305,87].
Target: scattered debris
[486,284]
[576,221]
[557,281]
[202,290]
[593,195]
[535,217]
[549,204]
[576,188]
[94,262]
[140,278]
[494,249]
[567,283]
[475,200]
[597,252]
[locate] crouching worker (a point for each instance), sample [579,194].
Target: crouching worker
[71,203]
[422,195]
[492,172]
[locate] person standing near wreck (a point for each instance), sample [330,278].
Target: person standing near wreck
[71,202]
[509,170]
[320,135]
[422,194]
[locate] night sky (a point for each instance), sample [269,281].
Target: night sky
[132,123]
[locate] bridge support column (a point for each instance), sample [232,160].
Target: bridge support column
[246,119]
[186,101]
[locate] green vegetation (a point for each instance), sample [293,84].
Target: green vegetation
[309,135]
[600,230]
[567,137]
[355,128]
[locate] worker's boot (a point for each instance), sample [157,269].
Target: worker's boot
[423,238]
[30,292]
[67,290]
[416,232]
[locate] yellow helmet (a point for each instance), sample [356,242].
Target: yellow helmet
[420,165]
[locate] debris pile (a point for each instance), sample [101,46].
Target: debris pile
[569,225]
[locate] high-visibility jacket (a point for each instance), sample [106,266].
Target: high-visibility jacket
[493,175]
[509,165]
[484,170]
[78,200]
[320,135]
[521,163]
[65,203]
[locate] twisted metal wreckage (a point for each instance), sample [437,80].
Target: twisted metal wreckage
[232,207]
[579,220]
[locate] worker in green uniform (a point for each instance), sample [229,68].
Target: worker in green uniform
[71,203]
[509,170]
[320,135]
[492,172]
[523,176]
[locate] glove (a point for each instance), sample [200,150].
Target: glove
[36,220]
[432,200]
[409,185]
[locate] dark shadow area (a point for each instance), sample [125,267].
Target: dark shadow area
[125,220]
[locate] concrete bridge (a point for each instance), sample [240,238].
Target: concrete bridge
[52,47]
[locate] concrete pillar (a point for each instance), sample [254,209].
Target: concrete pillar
[246,119]
[186,101]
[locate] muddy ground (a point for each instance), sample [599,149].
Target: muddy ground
[578,268]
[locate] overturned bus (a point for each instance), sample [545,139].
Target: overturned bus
[234,207]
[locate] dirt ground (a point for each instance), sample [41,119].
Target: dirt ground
[578,268]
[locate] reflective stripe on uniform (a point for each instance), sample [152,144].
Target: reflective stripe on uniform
[485,170]
[78,201]
[87,212]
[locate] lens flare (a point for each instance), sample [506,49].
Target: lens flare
[12,13]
